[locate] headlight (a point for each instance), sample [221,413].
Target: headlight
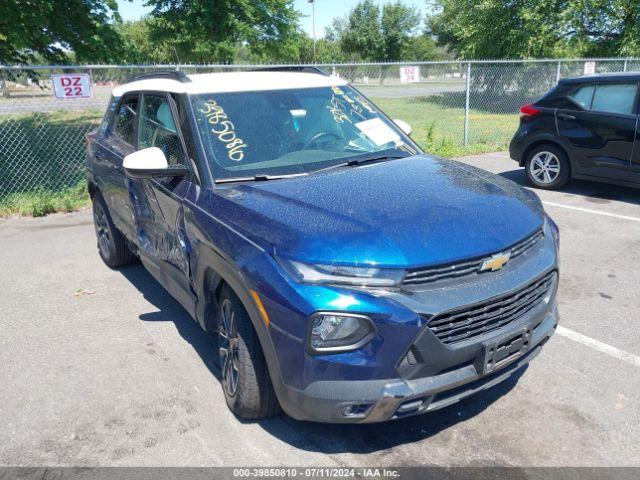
[335,274]
[338,332]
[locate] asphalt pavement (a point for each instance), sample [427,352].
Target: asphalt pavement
[102,367]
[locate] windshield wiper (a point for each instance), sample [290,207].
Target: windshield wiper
[258,178]
[354,162]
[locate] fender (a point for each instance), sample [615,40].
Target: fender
[546,137]
[211,267]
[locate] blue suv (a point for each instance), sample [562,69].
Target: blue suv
[348,276]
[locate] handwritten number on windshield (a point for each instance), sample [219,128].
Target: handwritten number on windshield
[224,129]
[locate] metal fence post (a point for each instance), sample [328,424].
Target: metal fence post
[466,105]
[624,68]
[4,90]
[558,69]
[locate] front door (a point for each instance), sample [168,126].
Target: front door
[601,128]
[158,204]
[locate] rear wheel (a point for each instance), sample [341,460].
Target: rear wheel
[112,245]
[548,167]
[245,379]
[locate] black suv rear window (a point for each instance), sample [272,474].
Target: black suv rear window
[606,97]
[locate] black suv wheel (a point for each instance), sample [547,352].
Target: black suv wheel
[112,246]
[548,167]
[245,378]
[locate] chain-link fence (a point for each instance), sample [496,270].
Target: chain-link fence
[447,103]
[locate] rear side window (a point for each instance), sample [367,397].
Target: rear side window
[612,98]
[583,96]
[125,123]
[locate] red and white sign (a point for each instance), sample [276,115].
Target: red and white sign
[409,74]
[589,68]
[71,85]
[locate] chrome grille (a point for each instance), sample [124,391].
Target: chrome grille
[421,276]
[475,320]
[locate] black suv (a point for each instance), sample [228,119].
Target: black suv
[584,128]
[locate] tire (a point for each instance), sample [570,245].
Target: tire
[112,246]
[245,379]
[548,167]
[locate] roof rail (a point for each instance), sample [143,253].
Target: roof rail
[168,74]
[293,68]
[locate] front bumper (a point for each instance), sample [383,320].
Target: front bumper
[369,401]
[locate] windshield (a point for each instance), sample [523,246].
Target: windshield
[285,132]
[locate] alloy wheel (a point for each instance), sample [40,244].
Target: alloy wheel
[228,338]
[545,167]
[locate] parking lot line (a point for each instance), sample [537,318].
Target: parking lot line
[498,155]
[602,347]
[595,212]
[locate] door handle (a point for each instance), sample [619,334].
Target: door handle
[566,116]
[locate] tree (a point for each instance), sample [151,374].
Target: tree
[603,27]
[496,28]
[420,48]
[536,28]
[210,30]
[327,51]
[359,35]
[389,34]
[48,30]
[398,24]
[137,47]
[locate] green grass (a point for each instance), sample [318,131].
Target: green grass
[440,129]
[41,202]
[48,148]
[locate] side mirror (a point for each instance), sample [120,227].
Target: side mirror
[404,126]
[151,163]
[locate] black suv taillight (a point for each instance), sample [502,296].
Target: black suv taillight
[529,111]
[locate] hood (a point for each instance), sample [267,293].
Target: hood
[409,212]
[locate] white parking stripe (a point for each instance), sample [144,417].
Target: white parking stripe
[497,155]
[605,348]
[595,212]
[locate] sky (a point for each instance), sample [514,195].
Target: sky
[326,10]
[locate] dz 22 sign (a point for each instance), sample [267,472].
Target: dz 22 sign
[71,85]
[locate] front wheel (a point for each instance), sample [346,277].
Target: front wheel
[245,378]
[548,167]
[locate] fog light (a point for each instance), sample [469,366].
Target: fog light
[355,409]
[339,332]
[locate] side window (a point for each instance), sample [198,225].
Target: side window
[158,128]
[125,122]
[615,98]
[583,96]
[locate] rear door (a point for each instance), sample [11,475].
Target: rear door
[158,204]
[119,141]
[600,126]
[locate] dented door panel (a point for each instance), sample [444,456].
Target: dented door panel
[159,216]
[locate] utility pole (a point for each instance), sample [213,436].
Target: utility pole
[313,23]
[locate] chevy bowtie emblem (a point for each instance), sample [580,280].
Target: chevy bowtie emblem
[496,262]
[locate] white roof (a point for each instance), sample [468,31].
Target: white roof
[232,82]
